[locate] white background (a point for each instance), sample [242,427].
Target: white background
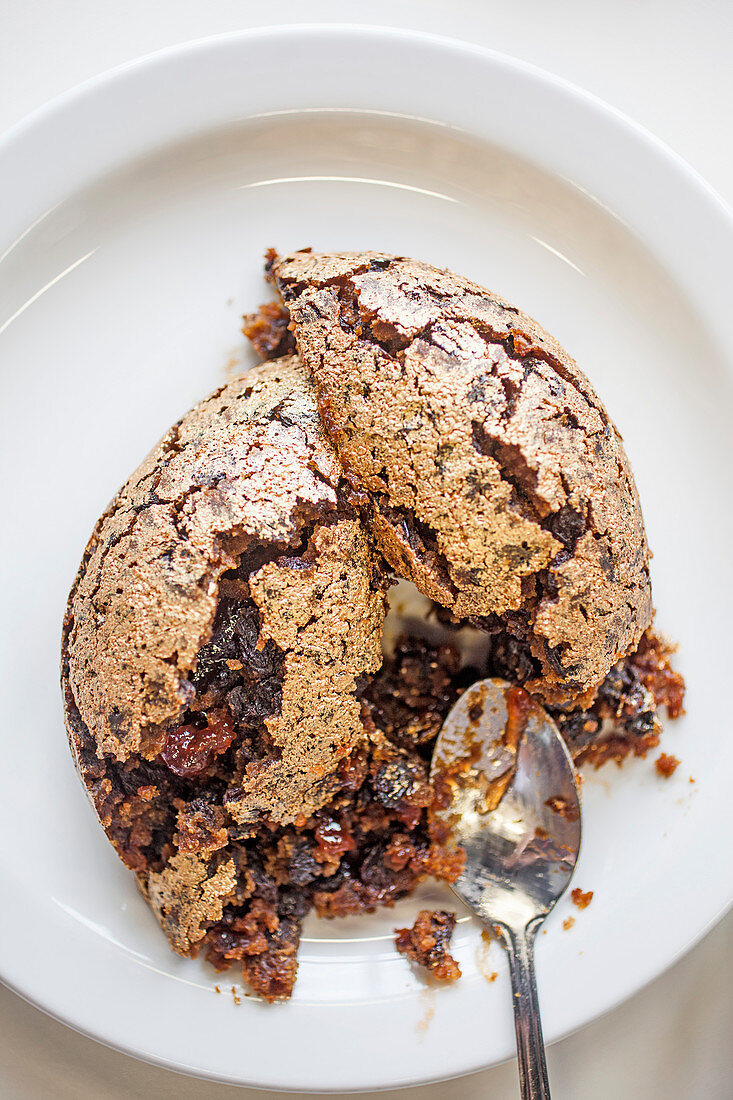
[667,64]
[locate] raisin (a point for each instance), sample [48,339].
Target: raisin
[579,729]
[642,723]
[411,695]
[303,868]
[373,871]
[293,905]
[567,526]
[251,703]
[333,837]
[619,682]
[393,783]
[188,751]
[511,659]
[211,660]
[263,885]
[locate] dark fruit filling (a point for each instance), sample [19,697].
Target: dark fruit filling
[624,717]
[369,847]
[377,838]
[412,693]
[268,331]
[426,943]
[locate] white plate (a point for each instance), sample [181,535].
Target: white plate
[135,214]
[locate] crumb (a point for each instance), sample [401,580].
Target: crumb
[568,923]
[235,995]
[268,330]
[492,977]
[691,780]
[216,987]
[582,900]
[561,806]
[426,943]
[666,765]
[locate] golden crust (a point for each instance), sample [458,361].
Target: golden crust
[327,619]
[187,896]
[497,481]
[242,467]
[249,465]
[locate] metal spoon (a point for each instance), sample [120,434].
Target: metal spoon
[515,810]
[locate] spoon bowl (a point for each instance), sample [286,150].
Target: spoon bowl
[515,810]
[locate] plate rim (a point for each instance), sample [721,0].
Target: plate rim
[32,126]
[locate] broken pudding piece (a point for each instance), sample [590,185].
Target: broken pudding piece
[666,765]
[228,603]
[490,472]
[227,609]
[427,942]
[254,746]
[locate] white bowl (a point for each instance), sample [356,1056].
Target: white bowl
[135,215]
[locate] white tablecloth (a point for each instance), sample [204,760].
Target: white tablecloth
[667,64]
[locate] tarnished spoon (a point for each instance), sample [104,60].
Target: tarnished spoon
[515,809]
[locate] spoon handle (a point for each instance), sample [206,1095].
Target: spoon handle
[530,1044]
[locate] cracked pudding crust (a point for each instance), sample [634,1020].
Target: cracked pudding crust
[250,753]
[227,605]
[491,473]
[246,470]
[235,510]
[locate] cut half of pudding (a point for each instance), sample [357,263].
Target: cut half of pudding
[226,617]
